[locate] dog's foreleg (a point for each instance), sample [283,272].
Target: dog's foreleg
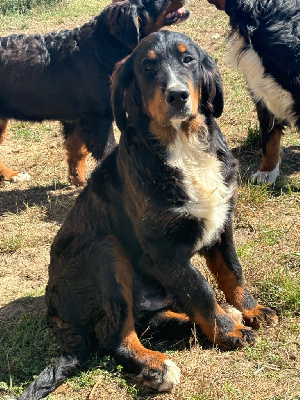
[195,297]
[223,262]
[271,132]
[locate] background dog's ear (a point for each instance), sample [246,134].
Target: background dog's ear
[125,96]
[212,101]
[121,19]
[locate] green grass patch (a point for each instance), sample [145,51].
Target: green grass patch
[32,133]
[23,6]
[12,243]
[253,140]
[283,290]
[27,347]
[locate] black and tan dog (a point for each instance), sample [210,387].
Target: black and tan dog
[121,260]
[65,76]
[264,44]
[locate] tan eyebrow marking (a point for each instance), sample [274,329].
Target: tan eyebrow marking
[182,48]
[151,55]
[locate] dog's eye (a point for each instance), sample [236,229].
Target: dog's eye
[187,59]
[149,67]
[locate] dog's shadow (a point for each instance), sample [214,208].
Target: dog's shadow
[56,200]
[249,158]
[27,346]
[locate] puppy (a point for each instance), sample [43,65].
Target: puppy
[65,76]
[121,261]
[264,44]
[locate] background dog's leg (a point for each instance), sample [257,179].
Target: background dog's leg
[223,262]
[76,154]
[7,173]
[97,134]
[195,297]
[271,134]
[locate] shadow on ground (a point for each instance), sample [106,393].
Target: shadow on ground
[250,158]
[55,199]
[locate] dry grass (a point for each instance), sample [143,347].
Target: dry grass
[267,235]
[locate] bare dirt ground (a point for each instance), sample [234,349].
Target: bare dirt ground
[267,235]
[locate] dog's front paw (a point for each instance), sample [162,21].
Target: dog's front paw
[162,380]
[260,316]
[231,334]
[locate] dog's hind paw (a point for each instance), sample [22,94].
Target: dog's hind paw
[162,380]
[265,177]
[171,377]
[20,177]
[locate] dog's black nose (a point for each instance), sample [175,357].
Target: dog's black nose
[177,96]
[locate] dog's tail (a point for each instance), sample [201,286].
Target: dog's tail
[75,347]
[50,378]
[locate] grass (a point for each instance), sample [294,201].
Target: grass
[23,6]
[267,237]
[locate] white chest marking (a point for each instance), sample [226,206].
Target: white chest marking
[203,183]
[264,87]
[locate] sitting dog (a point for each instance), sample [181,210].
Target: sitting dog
[264,44]
[121,260]
[65,76]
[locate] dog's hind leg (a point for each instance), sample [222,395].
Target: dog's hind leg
[97,134]
[5,172]
[154,368]
[75,347]
[271,132]
[76,154]
[223,262]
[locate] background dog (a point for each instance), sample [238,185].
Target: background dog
[65,76]
[264,44]
[121,260]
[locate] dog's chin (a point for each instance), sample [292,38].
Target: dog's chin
[178,120]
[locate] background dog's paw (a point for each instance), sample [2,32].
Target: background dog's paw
[265,177]
[20,177]
[260,316]
[162,380]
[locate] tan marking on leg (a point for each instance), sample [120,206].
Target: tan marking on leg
[4,170]
[174,315]
[76,156]
[272,154]
[235,294]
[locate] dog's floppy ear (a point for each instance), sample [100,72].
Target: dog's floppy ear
[121,19]
[125,96]
[212,101]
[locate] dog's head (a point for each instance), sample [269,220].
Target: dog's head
[131,20]
[169,78]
